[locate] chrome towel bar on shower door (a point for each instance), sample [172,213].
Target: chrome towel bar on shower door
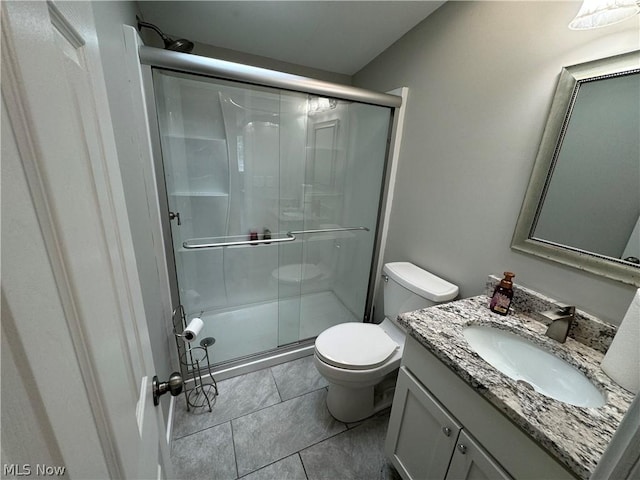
[198,243]
[325,230]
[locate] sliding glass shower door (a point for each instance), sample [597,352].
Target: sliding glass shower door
[274,198]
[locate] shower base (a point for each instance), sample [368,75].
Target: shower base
[257,328]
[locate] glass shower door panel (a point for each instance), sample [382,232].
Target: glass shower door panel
[290,213]
[222,144]
[196,170]
[345,163]
[244,162]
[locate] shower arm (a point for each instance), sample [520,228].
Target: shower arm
[179,45]
[289,237]
[164,37]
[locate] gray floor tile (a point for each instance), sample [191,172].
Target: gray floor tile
[205,455]
[357,453]
[289,468]
[276,432]
[237,396]
[385,412]
[298,377]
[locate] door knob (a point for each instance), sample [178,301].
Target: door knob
[174,386]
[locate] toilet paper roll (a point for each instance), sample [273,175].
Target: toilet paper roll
[193,329]
[622,360]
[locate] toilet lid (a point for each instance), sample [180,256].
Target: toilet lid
[355,346]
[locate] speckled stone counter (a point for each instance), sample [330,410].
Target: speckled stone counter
[575,436]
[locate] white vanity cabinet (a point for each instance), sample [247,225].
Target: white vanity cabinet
[442,429]
[424,441]
[421,433]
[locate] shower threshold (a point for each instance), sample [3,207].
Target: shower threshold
[259,361]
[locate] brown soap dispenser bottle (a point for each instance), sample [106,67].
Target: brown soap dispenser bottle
[502,295]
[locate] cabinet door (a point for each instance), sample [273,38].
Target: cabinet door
[472,462]
[421,434]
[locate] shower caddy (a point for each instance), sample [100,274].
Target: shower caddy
[201,390]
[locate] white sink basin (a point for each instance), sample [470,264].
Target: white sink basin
[524,361]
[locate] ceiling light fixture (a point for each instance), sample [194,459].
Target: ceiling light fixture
[321,104]
[600,13]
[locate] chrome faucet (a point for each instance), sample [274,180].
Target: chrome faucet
[561,320]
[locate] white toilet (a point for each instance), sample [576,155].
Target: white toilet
[361,360]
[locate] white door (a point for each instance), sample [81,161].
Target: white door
[71,297]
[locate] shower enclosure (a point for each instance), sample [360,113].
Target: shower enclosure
[273,199]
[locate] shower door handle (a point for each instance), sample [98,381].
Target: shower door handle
[173,216]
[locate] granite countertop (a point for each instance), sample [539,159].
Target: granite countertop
[575,436]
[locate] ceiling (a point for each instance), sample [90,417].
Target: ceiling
[336,36]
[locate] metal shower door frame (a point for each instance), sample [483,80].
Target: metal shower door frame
[212,68]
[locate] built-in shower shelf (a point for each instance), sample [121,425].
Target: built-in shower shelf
[199,194]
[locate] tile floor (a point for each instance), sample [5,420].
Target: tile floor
[274,424]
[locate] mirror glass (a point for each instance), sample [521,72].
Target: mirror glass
[582,206]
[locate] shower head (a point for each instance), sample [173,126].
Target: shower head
[180,45]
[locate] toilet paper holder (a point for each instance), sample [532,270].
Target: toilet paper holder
[181,326]
[200,387]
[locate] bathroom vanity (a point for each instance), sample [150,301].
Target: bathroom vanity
[456,416]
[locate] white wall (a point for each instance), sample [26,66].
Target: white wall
[481,76]
[109,18]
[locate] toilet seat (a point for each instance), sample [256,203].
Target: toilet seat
[355,346]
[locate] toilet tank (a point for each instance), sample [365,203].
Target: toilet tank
[408,287]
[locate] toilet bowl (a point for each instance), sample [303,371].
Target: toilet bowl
[360,360]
